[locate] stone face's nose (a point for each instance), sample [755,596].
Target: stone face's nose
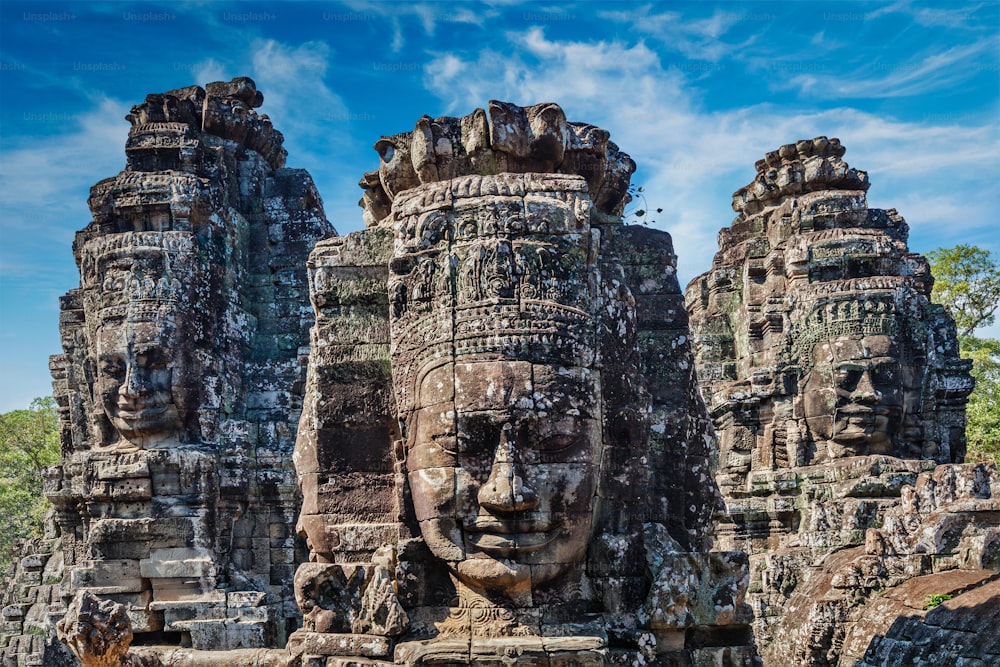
[865,391]
[137,382]
[506,490]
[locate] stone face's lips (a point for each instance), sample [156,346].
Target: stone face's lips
[505,543]
[535,524]
[143,413]
[863,412]
[146,417]
[503,537]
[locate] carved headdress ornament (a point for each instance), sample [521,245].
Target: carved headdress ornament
[517,280]
[854,314]
[138,276]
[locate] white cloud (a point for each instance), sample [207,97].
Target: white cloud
[578,72]
[931,71]
[956,16]
[45,176]
[696,39]
[691,159]
[428,15]
[298,99]
[210,70]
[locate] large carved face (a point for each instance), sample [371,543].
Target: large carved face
[134,380]
[852,397]
[503,460]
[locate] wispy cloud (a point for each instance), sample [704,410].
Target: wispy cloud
[955,16]
[314,118]
[294,78]
[876,79]
[210,70]
[427,14]
[697,39]
[691,159]
[535,69]
[45,176]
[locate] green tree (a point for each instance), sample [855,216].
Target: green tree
[982,431]
[967,284]
[29,441]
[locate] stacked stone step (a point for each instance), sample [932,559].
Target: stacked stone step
[32,605]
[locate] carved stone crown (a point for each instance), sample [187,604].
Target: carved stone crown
[502,139]
[138,276]
[856,314]
[223,109]
[486,276]
[805,166]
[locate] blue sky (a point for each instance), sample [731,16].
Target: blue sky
[695,92]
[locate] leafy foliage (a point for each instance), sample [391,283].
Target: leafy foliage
[934,599]
[982,431]
[967,284]
[640,212]
[29,441]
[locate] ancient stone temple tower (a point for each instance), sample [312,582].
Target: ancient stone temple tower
[806,264]
[836,388]
[180,384]
[491,440]
[503,455]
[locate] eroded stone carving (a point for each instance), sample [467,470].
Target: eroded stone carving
[180,386]
[478,430]
[145,378]
[99,633]
[503,455]
[835,387]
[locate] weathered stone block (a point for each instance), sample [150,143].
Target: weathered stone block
[104,577]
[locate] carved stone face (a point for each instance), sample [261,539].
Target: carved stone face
[503,459]
[134,379]
[852,397]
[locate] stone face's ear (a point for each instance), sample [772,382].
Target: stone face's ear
[396,166]
[422,151]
